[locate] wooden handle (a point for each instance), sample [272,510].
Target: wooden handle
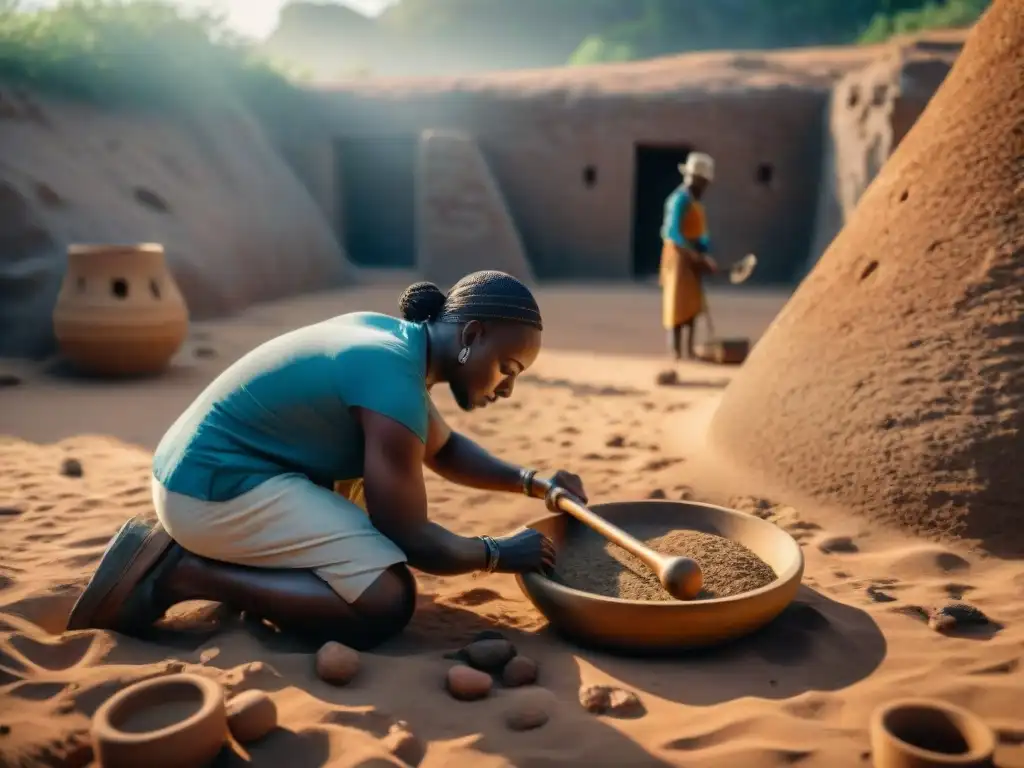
[571,506]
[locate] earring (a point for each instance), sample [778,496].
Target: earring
[463,355]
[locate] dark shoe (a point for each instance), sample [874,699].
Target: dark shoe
[119,596]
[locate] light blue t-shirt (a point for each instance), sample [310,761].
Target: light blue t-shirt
[284,407]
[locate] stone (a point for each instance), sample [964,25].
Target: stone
[71,468]
[612,701]
[489,655]
[251,716]
[520,670]
[529,709]
[468,684]
[337,664]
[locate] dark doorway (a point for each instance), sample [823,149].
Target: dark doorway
[377,179]
[656,175]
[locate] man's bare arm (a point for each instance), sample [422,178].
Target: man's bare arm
[397,501]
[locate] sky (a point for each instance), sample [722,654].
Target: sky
[254,18]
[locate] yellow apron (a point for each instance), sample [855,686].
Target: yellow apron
[682,295]
[681,287]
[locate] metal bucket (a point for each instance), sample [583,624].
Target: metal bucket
[724,351]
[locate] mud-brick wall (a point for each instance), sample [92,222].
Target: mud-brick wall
[539,144]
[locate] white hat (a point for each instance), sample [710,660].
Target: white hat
[698,164]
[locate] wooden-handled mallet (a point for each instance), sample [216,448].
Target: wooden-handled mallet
[680,576]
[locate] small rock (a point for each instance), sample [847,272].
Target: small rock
[9,380]
[615,441]
[529,709]
[666,378]
[657,493]
[521,670]
[752,505]
[205,353]
[607,700]
[912,611]
[843,544]
[468,684]
[956,615]
[489,655]
[879,596]
[686,493]
[337,664]
[71,468]
[251,716]
[4,730]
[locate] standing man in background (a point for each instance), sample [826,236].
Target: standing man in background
[685,250]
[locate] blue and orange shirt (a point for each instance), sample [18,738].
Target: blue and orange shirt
[685,223]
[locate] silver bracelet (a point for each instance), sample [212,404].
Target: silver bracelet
[492,554]
[526,476]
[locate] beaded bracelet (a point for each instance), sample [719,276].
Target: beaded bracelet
[526,477]
[492,553]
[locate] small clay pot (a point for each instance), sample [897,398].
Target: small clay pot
[926,733]
[178,721]
[119,312]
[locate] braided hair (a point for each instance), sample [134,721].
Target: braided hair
[484,296]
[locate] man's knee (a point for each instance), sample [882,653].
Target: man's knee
[389,602]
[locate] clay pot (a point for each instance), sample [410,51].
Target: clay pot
[924,733]
[178,721]
[119,312]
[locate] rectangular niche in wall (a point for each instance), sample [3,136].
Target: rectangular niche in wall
[655,175]
[376,178]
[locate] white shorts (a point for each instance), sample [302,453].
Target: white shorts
[285,522]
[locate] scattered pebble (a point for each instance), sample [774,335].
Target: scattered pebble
[879,596]
[615,441]
[666,378]
[521,670]
[337,664]
[842,544]
[912,611]
[657,493]
[489,655]
[468,684]
[956,615]
[9,380]
[607,700]
[686,493]
[529,709]
[205,352]
[752,505]
[251,716]
[71,468]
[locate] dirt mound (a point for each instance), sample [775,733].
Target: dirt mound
[237,225]
[893,381]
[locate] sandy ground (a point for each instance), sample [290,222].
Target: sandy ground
[799,692]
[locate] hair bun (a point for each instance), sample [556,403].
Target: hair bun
[421,302]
